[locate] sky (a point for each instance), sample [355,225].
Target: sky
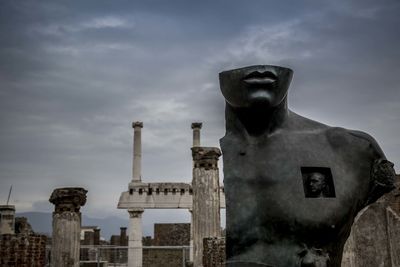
[75,74]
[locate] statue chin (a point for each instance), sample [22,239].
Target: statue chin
[260,99]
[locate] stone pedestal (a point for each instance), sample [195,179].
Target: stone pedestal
[206,200]
[135,248]
[66,226]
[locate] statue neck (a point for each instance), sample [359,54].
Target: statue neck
[257,121]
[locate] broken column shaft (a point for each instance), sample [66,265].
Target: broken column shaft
[137,151]
[66,226]
[206,199]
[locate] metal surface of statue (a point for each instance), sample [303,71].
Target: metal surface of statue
[293,185]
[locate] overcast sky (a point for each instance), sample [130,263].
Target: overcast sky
[75,74]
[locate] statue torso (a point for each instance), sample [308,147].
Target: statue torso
[271,216]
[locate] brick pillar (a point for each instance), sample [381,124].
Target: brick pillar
[66,226]
[206,200]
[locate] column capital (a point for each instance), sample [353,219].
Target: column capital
[206,157]
[68,199]
[137,124]
[136,213]
[196,125]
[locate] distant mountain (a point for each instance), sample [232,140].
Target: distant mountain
[41,223]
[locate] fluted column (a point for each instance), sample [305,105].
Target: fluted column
[191,236]
[135,247]
[66,226]
[206,199]
[196,126]
[137,151]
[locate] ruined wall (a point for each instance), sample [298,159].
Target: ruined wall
[214,252]
[159,257]
[373,240]
[22,250]
[171,234]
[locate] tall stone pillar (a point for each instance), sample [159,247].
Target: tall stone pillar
[196,126]
[137,151]
[66,226]
[206,199]
[135,247]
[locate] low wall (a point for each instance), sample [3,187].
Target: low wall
[22,250]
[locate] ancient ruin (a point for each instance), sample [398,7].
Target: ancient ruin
[206,200]
[141,196]
[374,236]
[65,249]
[7,219]
[19,245]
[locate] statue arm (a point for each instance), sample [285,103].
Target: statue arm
[382,172]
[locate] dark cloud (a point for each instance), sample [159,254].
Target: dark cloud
[75,74]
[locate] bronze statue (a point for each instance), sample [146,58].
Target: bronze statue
[293,185]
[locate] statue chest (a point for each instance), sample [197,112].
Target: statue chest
[301,182]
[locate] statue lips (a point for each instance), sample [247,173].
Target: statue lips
[260,79]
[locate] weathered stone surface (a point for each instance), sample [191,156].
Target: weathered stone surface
[206,200]
[171,234]
[196,126]
[22,226]
[66,226]
[393,229]
[159,257]
[214,252]
[137,152]
[7,219]
[68,199]
[22,250]
[135,245]
[374,236]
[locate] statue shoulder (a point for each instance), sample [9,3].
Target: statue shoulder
[340,137]
[373,145]
[382,173]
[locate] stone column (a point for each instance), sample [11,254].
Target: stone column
[7,219]
[135,249]
[137,151]
[206,200]
[66,226]
[191,236]
[196,126]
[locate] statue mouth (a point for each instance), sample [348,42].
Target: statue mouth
[257,78]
